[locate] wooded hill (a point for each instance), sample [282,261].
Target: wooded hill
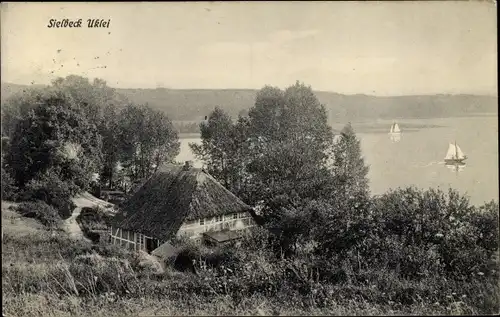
[194,104]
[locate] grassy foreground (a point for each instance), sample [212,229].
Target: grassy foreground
[50,274]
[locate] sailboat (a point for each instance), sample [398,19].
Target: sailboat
[394,129]
[455,155]
[395,133]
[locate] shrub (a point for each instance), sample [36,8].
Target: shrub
[41,211]
[8,188]
[416,234]
[485,219]
[427,233]
[92,221]
[49,188]
[185,258]
[225,256]
[341,225]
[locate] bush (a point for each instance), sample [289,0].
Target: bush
[8,188]
[185,258]
[223,256]
[341,225]
[428,233]
[48,187]
[414,234]
[39,210]
[92,221]
[485,219]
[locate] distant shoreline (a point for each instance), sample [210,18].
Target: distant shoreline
[20,86]
[374,125]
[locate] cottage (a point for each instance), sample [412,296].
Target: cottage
[179,201]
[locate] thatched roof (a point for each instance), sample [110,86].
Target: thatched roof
[172,196]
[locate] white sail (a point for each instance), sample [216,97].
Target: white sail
[454,152]
[396,128]
[451,152]
[460,154]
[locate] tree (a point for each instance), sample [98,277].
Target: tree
[164,139]
[219,147]
[100,103]
[279,149]
[56,133]
[93,97]
[349,167]
[290,138]
[108,128]
[344,221]
[147,139]
[274,158]
[19,106]
[264,116]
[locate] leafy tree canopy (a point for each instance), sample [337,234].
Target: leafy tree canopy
[55,133]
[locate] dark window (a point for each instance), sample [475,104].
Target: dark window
[151,244]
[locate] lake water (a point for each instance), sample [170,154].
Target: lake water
[417,159]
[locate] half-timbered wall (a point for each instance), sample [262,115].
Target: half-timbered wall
[236,221]
[193,229]
[128,239]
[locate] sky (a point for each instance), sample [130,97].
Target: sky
[376,48]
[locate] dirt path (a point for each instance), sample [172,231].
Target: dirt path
[71,226]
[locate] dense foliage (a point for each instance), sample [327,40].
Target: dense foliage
[219,148]
[279,159]
[146,139]
[280,149]
[55,133]
[94,221]
[56,140]
[348,166]
[41,211]
[8,188]
[250,278]
[48,187]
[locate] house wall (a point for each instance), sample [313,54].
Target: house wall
[128,239]
[192,229]
[236,221]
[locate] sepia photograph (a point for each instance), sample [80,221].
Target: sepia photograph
[249,158]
